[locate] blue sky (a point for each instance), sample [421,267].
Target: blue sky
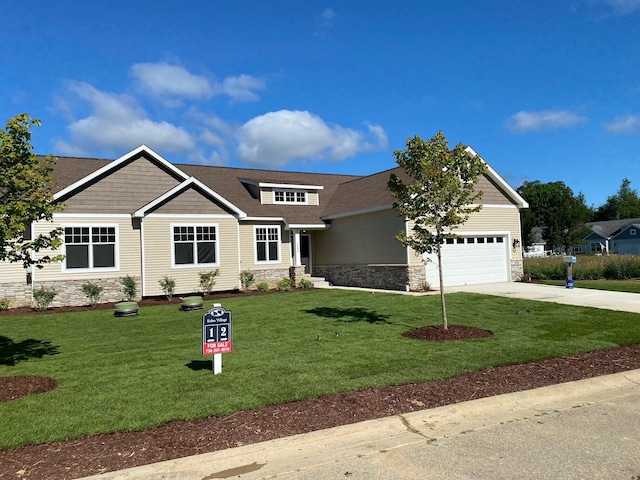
[543,90]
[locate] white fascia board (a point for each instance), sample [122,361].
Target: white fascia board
[304,226]
[379,208]
[117,162]
[182,186]
[282,185]
[264,219]
[515,196]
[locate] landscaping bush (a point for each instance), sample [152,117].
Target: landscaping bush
[208,280]
[43,297]
[129,288]
[246,280]
[4,304]
[93,292]
[262,287]
[285,285]
[168,286]
[305,283]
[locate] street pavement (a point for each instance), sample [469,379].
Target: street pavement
[589,429]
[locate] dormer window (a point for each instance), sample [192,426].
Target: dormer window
[290,196]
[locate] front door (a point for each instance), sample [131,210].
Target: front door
[305,252]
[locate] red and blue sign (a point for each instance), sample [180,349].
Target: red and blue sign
[216,331]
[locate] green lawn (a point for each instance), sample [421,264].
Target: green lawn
[132,373]
[629,286]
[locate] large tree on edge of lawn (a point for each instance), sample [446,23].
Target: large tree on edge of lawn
[24,195]
[439,196]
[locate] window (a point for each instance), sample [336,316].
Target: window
[195,245]
[90,247]
[632,231]
[290,196]
[267,244]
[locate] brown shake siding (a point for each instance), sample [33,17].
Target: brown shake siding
[122,191]
[190,201]
[158,253]
[491,194]
[361,239]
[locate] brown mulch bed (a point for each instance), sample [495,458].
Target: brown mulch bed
[109,452]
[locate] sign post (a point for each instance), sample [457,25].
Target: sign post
[569,260]
[217,335]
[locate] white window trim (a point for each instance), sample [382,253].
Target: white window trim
[195,264]
[255,245]
[295,192]
[116,252]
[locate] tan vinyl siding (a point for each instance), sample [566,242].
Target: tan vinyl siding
[124,190]
[128,249]
[247,247]
[157,237]
[490,220]
[313,198]
[361,239]
[190,201]
[267,196]
[12,272]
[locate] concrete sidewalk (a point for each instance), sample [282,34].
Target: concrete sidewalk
[455,441]
[584,297]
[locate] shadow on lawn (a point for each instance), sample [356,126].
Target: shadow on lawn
[197,365]
[356,314]
[12,352]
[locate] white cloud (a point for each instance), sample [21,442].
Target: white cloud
[160,79]
[276,138]
[622,7]
[117,124]
[524,121]
[242,88]
[627,124]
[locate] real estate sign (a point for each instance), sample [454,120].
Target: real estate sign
[216,331]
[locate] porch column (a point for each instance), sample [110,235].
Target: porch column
[296,248]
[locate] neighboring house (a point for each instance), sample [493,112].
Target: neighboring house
[142,216]
[537,247]
[615,236]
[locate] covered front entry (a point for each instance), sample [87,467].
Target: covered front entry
[472,259]
[301,250]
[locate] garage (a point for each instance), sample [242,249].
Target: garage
[473,259]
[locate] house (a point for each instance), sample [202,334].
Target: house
[617,236]
[142,216]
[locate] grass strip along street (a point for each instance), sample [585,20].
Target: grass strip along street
[131,373]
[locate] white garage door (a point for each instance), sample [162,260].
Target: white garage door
[471,260]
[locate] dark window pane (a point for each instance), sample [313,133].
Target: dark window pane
[77,256]
[206,252]
[261,248]
[273,251]
[184,253]
[104,256]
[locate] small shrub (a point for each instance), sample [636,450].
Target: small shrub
[285,285]
[43,298]
[4,304]
[246,279]
[129,288]
[262,287]
[208,280]
[305,283]
[93,292]
[426,286]
[168,286]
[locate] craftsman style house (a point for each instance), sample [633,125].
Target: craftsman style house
[142,216]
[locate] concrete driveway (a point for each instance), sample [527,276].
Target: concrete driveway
[626,302]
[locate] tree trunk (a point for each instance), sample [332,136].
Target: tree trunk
[445,324]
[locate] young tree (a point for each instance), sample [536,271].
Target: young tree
[24,195]
[438,195]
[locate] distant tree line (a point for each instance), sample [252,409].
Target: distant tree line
[562,215]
